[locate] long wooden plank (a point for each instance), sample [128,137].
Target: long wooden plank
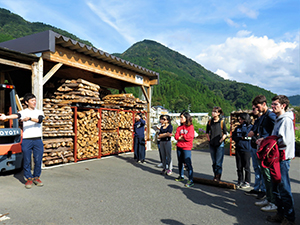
[221,184]
[15,64]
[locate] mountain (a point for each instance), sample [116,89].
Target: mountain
[185,83]
[295,100]
[14,26]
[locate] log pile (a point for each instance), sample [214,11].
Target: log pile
[79,91]
[125,140]
[109,132]
[127,101]
[57,132]
[125,131]
[120,100]
[109,142]
[125,119]
[58,119]
[109,119]
[87,134]
[140,104]
[57,150]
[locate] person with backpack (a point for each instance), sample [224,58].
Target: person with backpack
[216,133]
[284,130]
[243,150]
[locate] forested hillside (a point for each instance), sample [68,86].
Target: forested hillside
[184,82]
[295,100]
[13,26]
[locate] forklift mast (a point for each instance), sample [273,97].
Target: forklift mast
[10,135]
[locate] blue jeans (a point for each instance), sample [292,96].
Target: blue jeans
[35,146]
[259,181]
[282,192]
[217,156]
[139,148]
[185,156]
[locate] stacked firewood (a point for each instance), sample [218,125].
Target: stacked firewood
[87,134]
[57,129]
[119,100]
[109,142]
[140,104]
[125,131]
[109,119]
[79,91]
[58,120]
[57,150]
[109,132]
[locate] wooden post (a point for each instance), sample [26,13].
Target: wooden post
[149,118]
[37,82]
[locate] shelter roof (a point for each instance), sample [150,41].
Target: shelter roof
[47,40]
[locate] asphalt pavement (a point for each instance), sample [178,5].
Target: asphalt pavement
[117,190]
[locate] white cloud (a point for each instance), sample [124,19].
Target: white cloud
[231,23]
[248,12]
[113,14]
[223,74]
[257,60]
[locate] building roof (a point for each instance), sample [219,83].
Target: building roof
[47,40]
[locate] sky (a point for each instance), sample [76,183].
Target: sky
[250,41]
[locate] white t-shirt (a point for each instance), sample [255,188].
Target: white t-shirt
[31,129]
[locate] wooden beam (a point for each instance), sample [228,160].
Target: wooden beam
[51,72]
[97,66]
[149,114]
[19,105]
[37,82]
[15,64]
[153,82]
[145,94]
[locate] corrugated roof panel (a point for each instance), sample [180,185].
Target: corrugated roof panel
[46,41]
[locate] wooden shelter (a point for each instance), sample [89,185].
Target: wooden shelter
[32,60]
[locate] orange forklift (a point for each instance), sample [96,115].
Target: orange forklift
[10,133]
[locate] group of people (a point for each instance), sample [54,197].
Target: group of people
[273,195]
[269,125]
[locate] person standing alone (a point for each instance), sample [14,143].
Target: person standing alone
[139,138]
[32,139]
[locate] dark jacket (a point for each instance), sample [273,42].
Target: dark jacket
[266,124]
[240,136]
[139,127]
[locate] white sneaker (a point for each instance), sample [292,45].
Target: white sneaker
[245,185]
[262,203]
[269,208]
[160,165]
